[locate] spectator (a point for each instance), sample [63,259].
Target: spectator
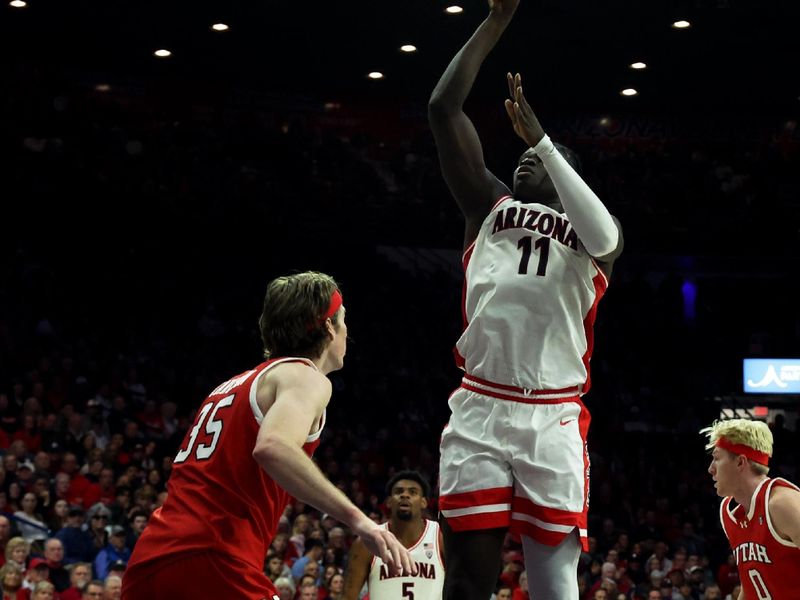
[78,545]
[31,526]
[80,573]
[11,582]
[276,568]
[37,571]
[309,591]
[94,591]
[60,514]
[116,550]
[335,587]
[138,521]
[313,553]
[112,588]
[17,551]
[54,554]
[503,593]
[285,587]
[713,592]
[44,590]
[99,517]
[5,536]
[521,593]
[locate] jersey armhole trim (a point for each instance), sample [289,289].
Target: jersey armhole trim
[772,531]
[253,393]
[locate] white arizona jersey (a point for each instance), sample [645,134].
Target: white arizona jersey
[530,298]
[425,585]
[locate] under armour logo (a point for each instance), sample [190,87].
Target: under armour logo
[771,376]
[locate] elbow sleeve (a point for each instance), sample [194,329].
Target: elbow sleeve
[592,222]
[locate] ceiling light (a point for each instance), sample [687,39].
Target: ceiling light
[220,27]
[408,48]
[454,10]
[681,24]
[629,92]
[102,87]
[638,66]
[18,3]
[162,53]
[375,75]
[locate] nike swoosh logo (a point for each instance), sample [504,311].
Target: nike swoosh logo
[566,422]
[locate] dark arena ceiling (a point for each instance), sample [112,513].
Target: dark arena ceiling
[738,55]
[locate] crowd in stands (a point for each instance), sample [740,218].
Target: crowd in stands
[114,328]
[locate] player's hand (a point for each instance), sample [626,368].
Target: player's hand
[383,544]
[503,8]
[525,123]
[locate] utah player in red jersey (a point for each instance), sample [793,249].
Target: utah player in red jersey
[247,453]
[763,528]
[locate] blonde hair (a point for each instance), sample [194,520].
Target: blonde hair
[753,434]
[43,586]
[14,543]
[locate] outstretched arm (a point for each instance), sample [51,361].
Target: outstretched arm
[300,398]
[596,228]
[460,152]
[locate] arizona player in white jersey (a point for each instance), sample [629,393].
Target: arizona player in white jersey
[407,495]
[537,262]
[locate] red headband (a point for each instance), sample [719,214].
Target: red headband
[761,458]
[336,302]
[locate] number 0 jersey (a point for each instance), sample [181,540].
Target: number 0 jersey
[425,585]
[219,497]
[529,303]
[768,564]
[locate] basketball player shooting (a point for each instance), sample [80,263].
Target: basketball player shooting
[537,262]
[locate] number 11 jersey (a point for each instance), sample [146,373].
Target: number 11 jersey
[219,498]
[529,303]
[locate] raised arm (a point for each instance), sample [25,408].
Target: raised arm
[599,232]
[474,187]
[300,399]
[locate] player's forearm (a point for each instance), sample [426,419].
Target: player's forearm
[587,214]
[456,82]
[295,472]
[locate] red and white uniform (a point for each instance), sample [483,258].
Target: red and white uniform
[221,504]
[530,298]
[514,452]
[768,565]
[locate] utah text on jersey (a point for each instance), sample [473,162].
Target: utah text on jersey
[751,552]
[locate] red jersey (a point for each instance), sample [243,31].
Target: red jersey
[768,565]
[219,498]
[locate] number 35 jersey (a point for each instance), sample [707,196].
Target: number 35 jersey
[529,302]
[219,497]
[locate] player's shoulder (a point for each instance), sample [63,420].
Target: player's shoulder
[300,374]
[783,494]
